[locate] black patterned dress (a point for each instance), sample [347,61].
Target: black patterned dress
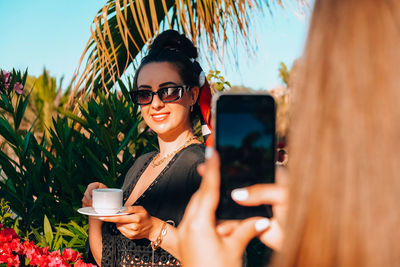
[166,198]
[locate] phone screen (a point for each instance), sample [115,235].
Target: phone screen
[245,141]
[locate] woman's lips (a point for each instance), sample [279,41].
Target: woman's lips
[159,117]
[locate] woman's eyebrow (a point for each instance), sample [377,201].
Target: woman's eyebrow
[167,83]
[144,86]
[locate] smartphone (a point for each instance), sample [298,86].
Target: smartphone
[245,139]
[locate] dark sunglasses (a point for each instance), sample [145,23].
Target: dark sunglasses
[166,94]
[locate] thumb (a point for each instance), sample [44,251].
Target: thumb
[247,230]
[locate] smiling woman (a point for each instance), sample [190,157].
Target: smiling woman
[159,185]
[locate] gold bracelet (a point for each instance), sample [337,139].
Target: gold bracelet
[156,244]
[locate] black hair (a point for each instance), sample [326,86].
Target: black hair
[175,48]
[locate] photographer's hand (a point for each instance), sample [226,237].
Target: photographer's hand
[269,194]
[200,243]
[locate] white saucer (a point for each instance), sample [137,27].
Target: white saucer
[90,211]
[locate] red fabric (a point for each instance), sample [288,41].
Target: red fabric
[205,108]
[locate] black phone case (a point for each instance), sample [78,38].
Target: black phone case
[246,163]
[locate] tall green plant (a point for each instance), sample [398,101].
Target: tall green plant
[64,235]
[40,179]
[46,100]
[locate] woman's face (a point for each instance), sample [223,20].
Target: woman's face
[168,120]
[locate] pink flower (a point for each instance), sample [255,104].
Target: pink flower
[69,254]
[18,87]
[6,76]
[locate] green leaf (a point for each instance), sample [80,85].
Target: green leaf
[8,166]
[25,144]
[7,132]
[5,103]
[124,90]
[20,112]
[58,243]
[72,116]
[65,232]
[79,228]
[48,232]
[73,241]
[127,137]
[57,240]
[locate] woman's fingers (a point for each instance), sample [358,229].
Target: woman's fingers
[87,196]
[226,228]
[273,236]
[247,230]
[134,215]
[208,193]
[260,194]
[241,232]
[123,219]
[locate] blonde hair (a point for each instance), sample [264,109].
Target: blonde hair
[345,139]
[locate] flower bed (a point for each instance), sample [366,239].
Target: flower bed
[17,252]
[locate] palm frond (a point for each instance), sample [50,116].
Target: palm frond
[122,28]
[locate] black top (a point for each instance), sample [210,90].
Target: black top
[166,198]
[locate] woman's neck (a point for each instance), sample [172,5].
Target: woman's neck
[167,145]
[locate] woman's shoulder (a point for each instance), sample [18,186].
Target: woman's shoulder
[193,153]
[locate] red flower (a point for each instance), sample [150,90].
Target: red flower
[11,249]
[29,249]
[55,259]
[69,254]
[16,246]
[13,261]
[80,263]
[7,234]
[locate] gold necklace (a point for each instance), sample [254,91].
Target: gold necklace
[160,161]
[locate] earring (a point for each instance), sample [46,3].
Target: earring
[191,108]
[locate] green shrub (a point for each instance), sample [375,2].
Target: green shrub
[41,178]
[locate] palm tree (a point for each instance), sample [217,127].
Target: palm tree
[122,28]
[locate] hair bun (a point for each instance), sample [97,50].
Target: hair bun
[175,41]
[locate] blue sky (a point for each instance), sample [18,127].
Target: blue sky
[53,34]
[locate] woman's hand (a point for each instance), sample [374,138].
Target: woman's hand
[95,233]
[200,244]
[269,194]
[87,196]
[137,224]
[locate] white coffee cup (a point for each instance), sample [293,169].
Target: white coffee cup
[107,200]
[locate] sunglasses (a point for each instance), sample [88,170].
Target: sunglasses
[165,94]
